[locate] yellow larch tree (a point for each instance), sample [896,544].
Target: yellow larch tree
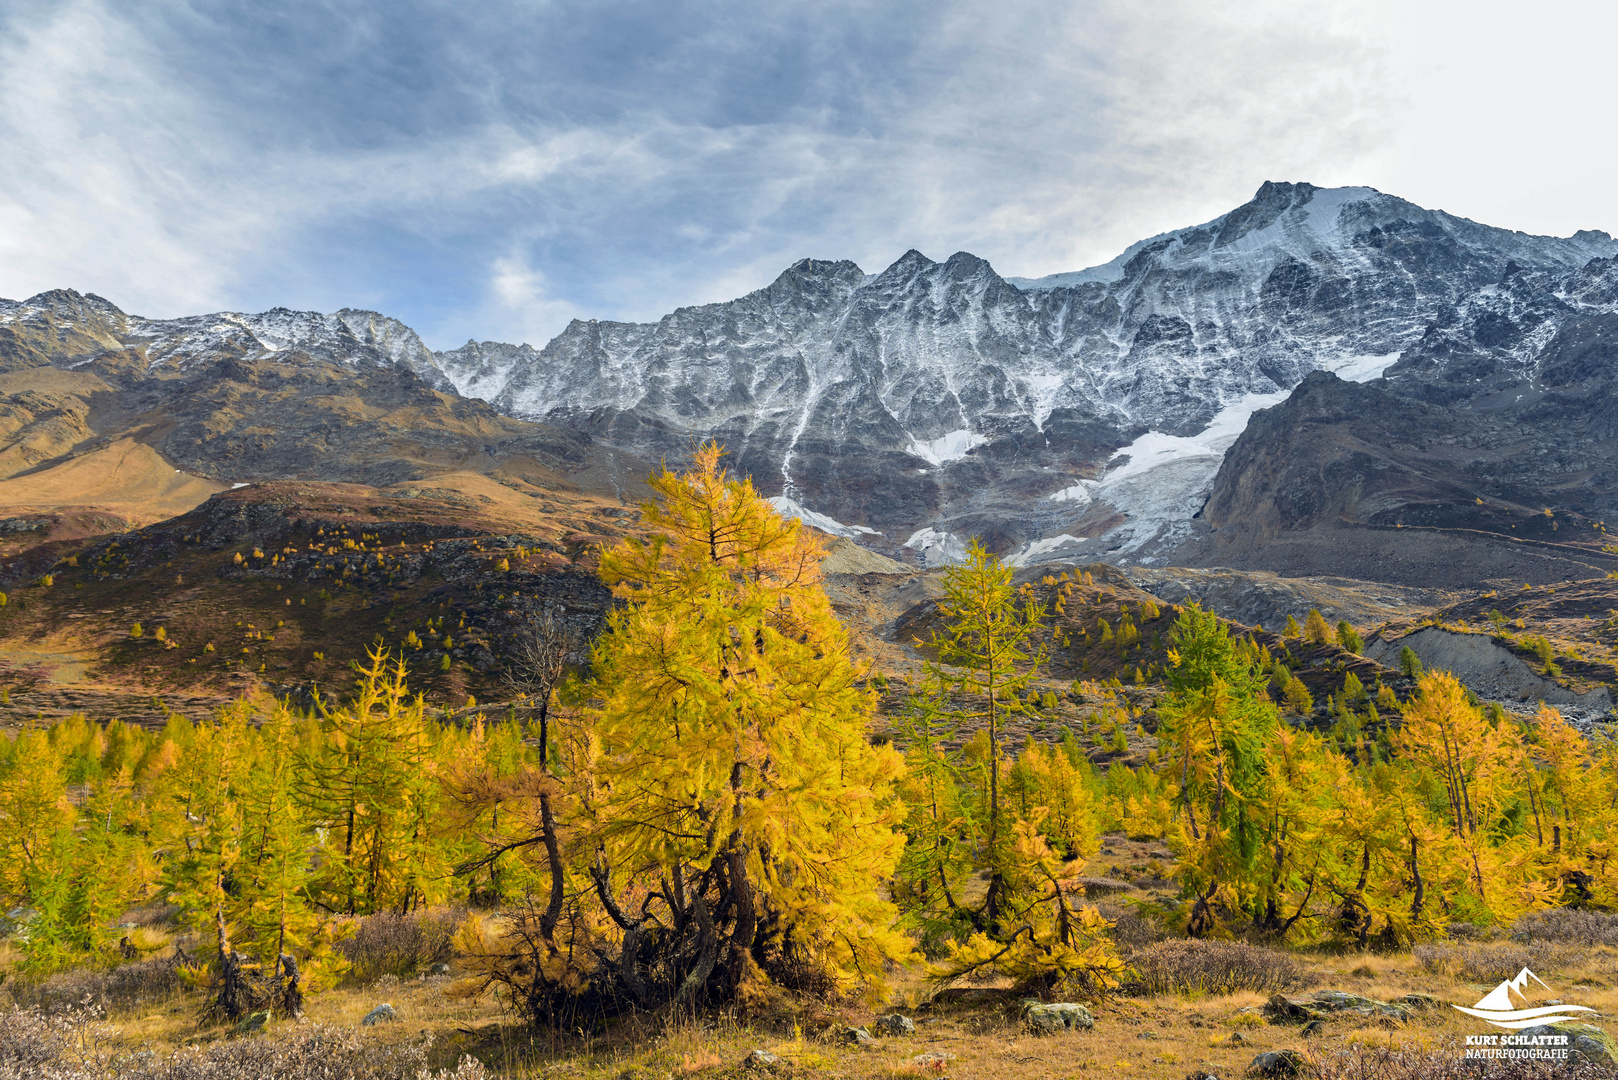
[738,808]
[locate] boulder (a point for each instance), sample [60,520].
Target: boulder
[933,1059]
[855,1036]
[383,1012]
[895,1024]
[1281,1009]
[1586,1040]
[1276,1064]
[760,1059]
[1358,1004]
[1053,1019]
[253,1022]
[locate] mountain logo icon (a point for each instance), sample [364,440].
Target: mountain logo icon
[1500,1006]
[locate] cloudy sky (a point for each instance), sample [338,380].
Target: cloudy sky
[491,170]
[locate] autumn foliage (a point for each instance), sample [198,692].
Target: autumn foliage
[702,814]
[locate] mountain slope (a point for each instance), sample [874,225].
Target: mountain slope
[1490,450]
[142,419]
[934,400]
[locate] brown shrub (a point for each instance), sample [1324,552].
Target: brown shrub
[389,944]
[1493,961]
[76,1045]
[1185,965]
[1381,1063]
[1568,925]
[1130,929]
[121,987]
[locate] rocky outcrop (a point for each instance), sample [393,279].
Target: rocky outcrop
[1056,1018]
[1263,598]
[1490,450]
[1488,669]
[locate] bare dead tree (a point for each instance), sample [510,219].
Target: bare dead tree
[539,655]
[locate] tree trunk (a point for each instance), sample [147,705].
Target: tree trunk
[232,1000]
[553,854]
[291,996]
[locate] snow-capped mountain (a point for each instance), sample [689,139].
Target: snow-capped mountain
[933,399]
[1078,415]
[354,339]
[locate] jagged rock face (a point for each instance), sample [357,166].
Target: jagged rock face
[942,395]
[1505,407]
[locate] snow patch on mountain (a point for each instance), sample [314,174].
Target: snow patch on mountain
[1081,493]
[1161,481]
[787,506]
[1035,550]
[950,447]
[937,548]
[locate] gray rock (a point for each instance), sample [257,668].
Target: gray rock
[759,1059]
[1282,1009]
[253,1022]
[1342,1001]
[933,1059]
[1056,1018]
[1276,1064]
[895,1024]
[1586,1040]
[383,1012]
[855,1036]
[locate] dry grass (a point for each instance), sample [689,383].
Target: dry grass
[1160,1036]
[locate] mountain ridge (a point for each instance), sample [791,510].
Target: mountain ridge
[1084,414]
